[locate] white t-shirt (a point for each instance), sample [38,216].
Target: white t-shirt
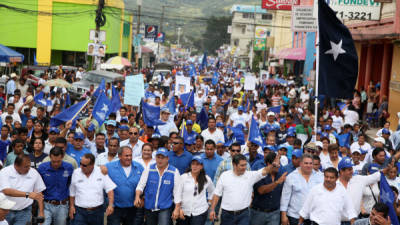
[337,123]
[350,117]
[127,170]
[239,119]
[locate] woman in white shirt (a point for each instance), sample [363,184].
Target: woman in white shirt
[146,159]
[193,189]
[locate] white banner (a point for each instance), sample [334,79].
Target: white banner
[356,9]
[303,19]
[182,85]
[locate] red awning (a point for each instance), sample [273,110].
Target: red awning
[146,49]
[292,53]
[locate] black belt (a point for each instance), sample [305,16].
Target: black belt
[313,223]
[264,210]
[237,212]
[57,202]
[92,208]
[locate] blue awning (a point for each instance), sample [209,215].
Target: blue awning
[8,55]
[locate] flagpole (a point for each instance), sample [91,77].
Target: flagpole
[314,138]
[77,113]
[189,98]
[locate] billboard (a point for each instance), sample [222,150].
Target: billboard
[278,4]
[151,31]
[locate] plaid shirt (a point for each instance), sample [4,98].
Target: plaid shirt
[225,166]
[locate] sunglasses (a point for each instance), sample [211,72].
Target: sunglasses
[195,190]
[133,133]
[235,150]
[177,143]
[83,165]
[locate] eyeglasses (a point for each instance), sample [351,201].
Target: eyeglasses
[177,143]
[133,133]
[235,150]
[83,165]
[195,190]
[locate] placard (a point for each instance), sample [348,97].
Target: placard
[249,83]
[303,19]
[134,89]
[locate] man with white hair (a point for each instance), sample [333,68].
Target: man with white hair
[5,206]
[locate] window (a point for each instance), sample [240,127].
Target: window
[236,42]
[243,29]
[266,17]
[248,15]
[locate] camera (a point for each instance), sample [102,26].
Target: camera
[36,220]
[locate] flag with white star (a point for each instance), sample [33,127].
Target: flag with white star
[338,60]
[387,197]
[101,108]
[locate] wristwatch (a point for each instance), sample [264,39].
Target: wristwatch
[27,194]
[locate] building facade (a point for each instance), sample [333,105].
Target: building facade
[53,32]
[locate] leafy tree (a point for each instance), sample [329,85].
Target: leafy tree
[216,33]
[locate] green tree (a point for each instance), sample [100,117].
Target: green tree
[216,33]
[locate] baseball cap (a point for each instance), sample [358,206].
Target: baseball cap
[91,127]
[198,159]
[123,127]
[124,118]
[282,121]
[79,135]
[270,147]
[297,153]
[291,134]
[385,131]
[345,163]
[220,124]
[311,146]
[162,151]
[355,149]
[282,146]
[54,130]
[220,142]
[380,139]
[5,203]
[165,109]
[111,122]
[306,118]
[270,114]
[292,129]
[189,122]
[327,127]
[318,144]
[241,108]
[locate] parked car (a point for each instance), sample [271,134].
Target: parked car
[93,77]
[34,72]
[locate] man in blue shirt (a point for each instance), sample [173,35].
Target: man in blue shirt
[296,155]
[178,157]
[211,159]
[56,175]
[76,150]
[253,156]
[4,142]
[267,194]
[125,173]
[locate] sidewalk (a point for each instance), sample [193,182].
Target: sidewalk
[371,134]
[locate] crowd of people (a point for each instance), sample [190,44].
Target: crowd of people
[233,156]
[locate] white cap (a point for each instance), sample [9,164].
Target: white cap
[212,90]
[270,114]
[380,139]
[318,144]
[5,203]
[13,75]
[355,149]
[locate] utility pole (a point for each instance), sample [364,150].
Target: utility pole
[179,36]
[100,21]
[139,47]
[160,30]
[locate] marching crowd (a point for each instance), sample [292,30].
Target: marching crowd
[232,156]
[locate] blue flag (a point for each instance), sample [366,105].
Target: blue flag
[215,78]
[238,134]
[115,100]
[100,88]
[255,134]
[188,99]
[67,101]
[344,140]
[202,119]
[204,62]
[228,102]
[102,108]
[275,109]
[338,60]
[341,105]
[68,114]
[151,115]
[41,100]
[192,71]
[386,196]
[171,105]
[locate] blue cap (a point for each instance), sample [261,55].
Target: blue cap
[55,130]
[324,135]
[79,135]
[162,151]
[189,122]
[198,159]
[291,134]
[220,124]
[165,109]
[327,127]
[240,108]
[91,127]
[220,142]
[345,163]
[385,131]
[363,151]
[111,122]
[123,127]
[282,120]
[292,129]
[282,146]
[373,168]
[155,135]
[297,153]
[189,141]
[270,147]
[124,118]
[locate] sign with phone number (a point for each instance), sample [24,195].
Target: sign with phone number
[356,9]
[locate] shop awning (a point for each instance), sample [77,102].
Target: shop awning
[292,54]
[8,55]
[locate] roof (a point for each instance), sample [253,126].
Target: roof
[248,9]
[9,55]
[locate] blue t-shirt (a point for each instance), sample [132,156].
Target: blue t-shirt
[77,154]
[3,149]
[181,162]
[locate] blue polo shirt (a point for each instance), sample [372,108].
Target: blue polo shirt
[181,162]
[77,154]
[3,149]
[211,165]
[258,164]
[124,193]
[271,200]
[289,168]
[57,181]
[258,157]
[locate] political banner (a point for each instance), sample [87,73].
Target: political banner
[249,83]
[134,89]
[182,85]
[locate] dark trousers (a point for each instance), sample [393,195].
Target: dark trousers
[86,217]
[193,220]
[160,217]
[239,219]
[294,221]
[124,216]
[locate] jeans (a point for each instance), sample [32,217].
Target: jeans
[345,223]
[86,217]
[240,219]
[264,218]
[217,207]
[19,217]
[55,214]
[194,220]
[124,216]
[160,217]
[294,221]
[139,219]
